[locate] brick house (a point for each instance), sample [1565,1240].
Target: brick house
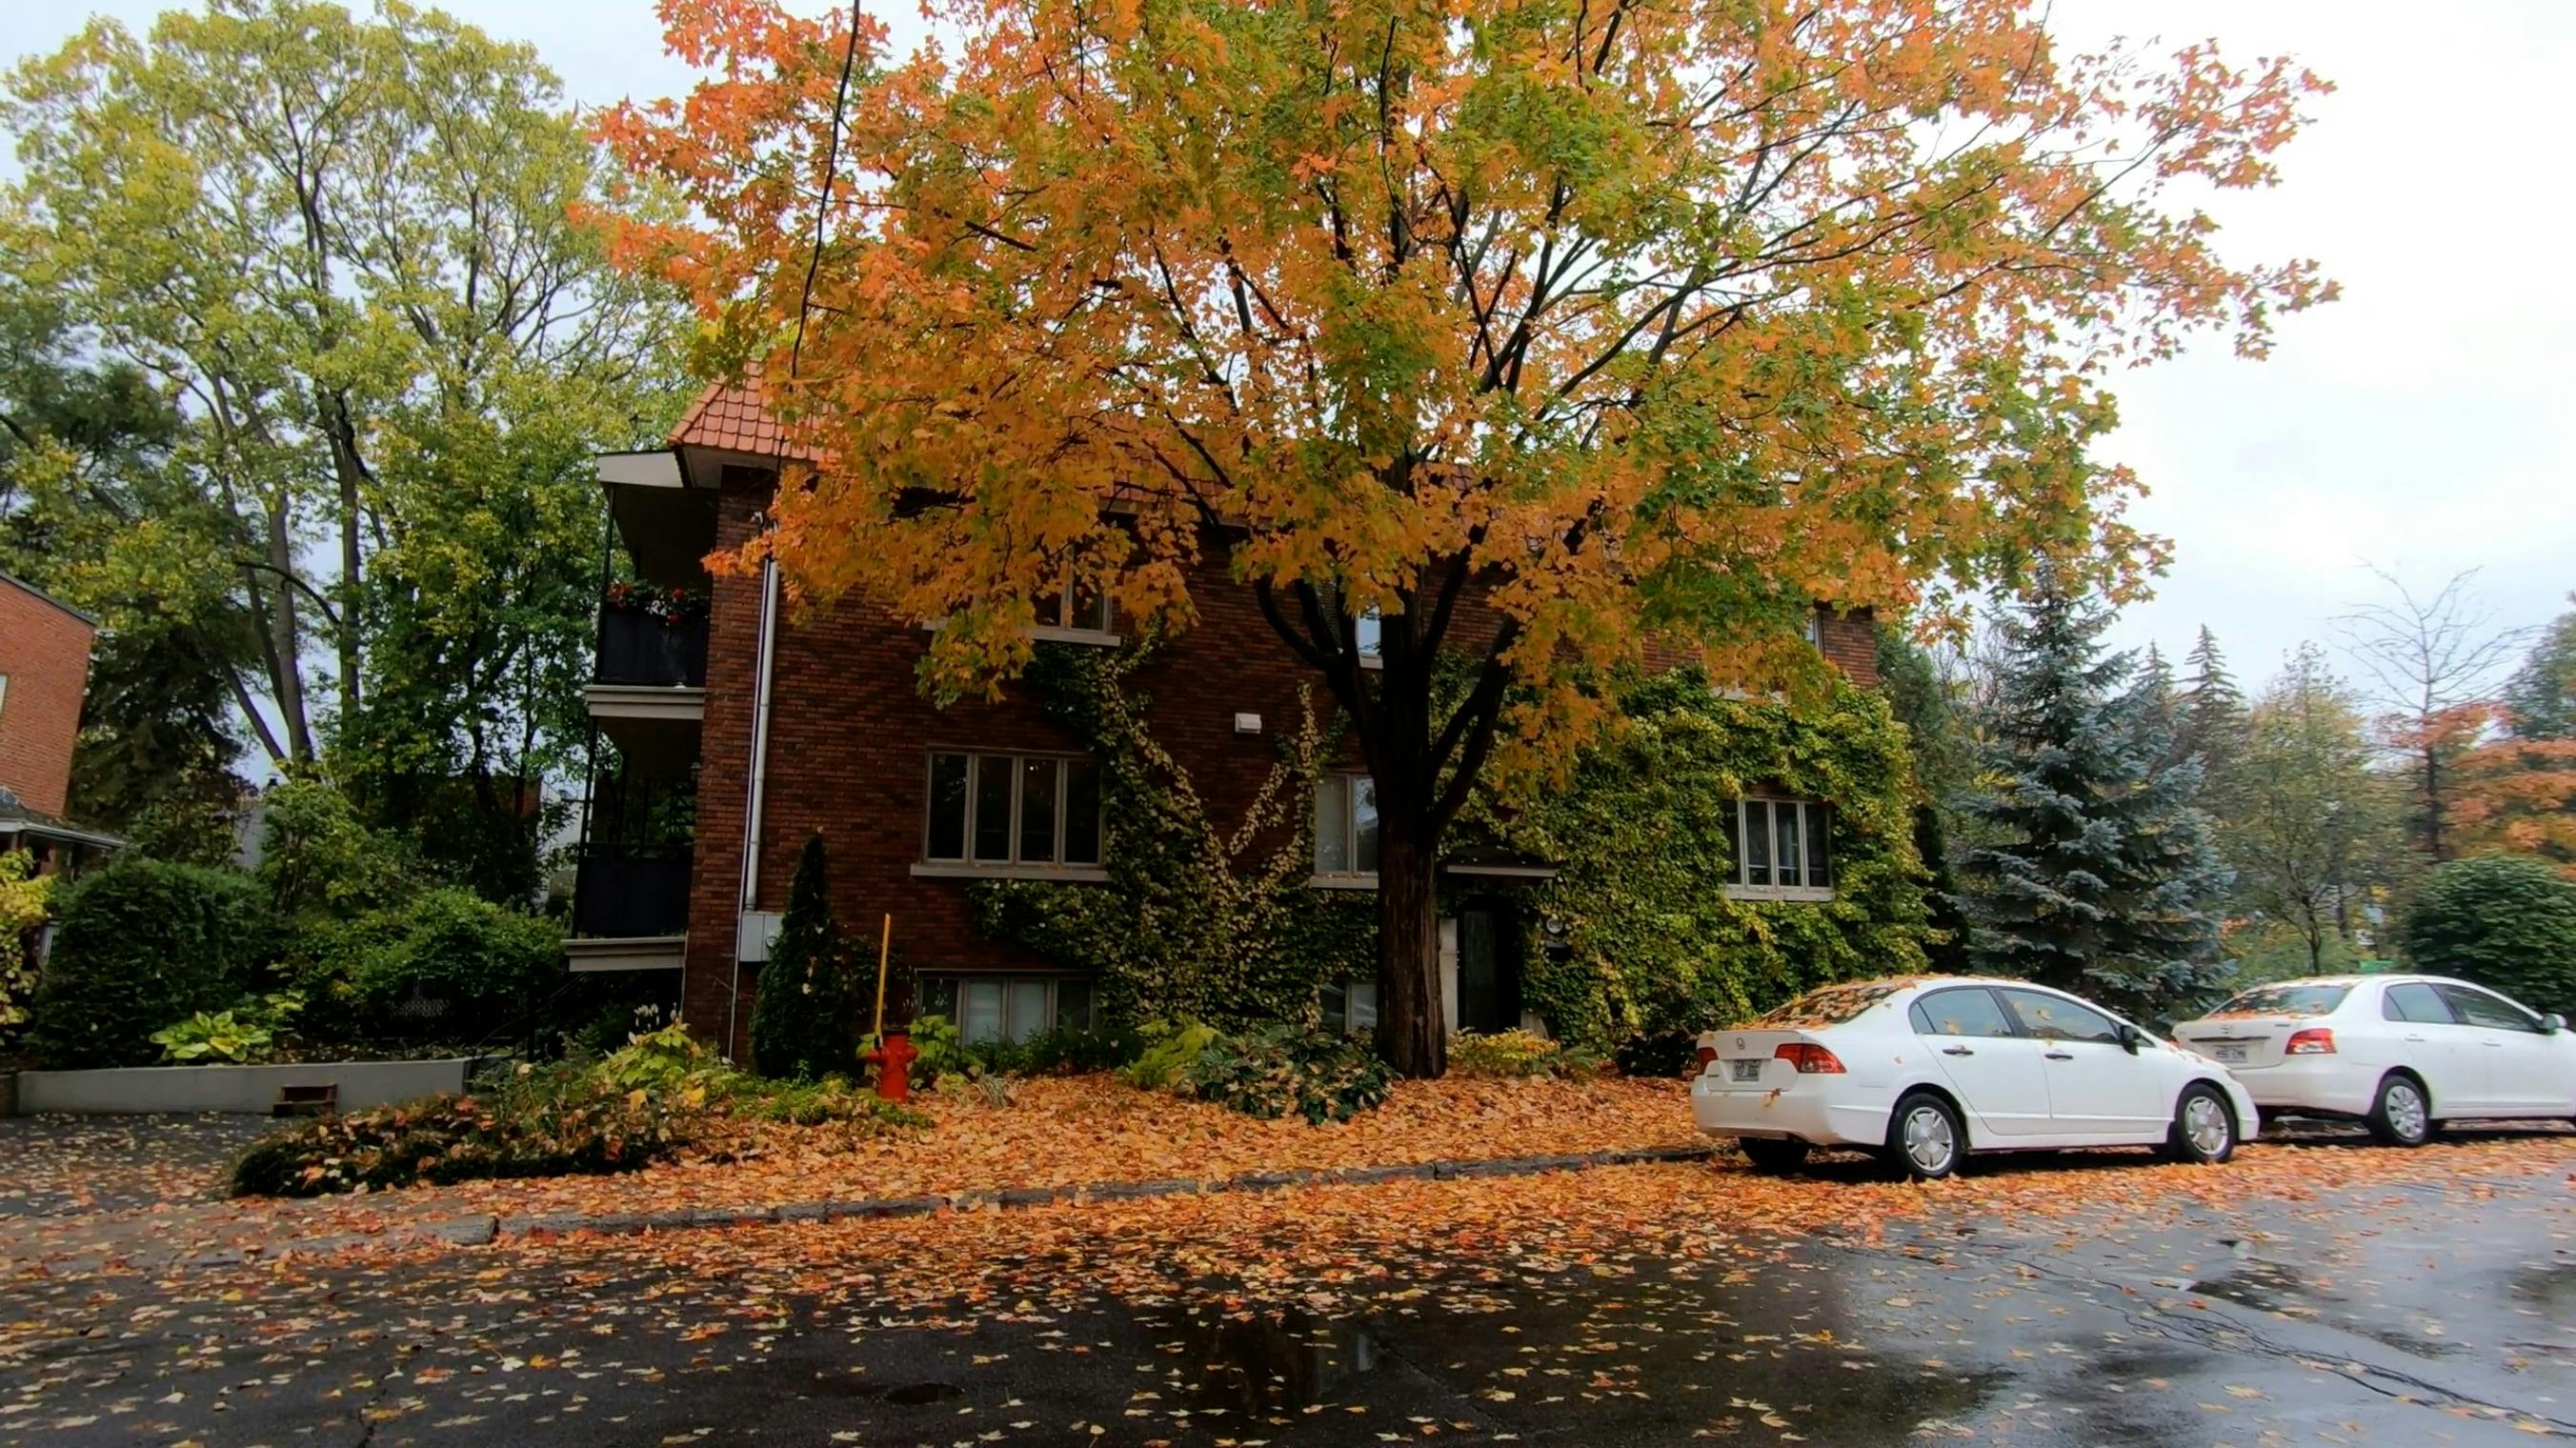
[44,675]
[734,721]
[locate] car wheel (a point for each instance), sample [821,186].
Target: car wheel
[2204,1129]
[1773,1155]
[1925,1138]
[2401,1116]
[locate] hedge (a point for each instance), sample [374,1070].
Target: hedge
[143,943]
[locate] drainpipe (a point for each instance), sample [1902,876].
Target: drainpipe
[748,894]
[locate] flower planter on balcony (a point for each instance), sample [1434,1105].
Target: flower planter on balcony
[639,647]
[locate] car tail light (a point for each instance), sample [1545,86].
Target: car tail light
[1707,1057]
[1809,1058]
[2314,1041]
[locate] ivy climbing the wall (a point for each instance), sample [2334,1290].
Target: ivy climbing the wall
[1214,920]
[1638,933]
[1198,920]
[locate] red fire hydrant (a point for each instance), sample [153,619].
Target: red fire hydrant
[893,1061]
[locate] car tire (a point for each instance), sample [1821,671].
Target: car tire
[2204,1127]
[1772,1156]
[1925,1138]
[2401,1114]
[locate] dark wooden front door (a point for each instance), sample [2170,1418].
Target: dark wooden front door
[1489,967]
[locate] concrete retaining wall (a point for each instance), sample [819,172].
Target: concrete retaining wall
[234,1088]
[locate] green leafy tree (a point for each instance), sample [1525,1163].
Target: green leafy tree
[2101,877]
[804,1021]
[360,258]
[2308,820]
[2540,698]
[2506,921]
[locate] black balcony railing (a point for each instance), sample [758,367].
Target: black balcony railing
[636,647]
[623,895]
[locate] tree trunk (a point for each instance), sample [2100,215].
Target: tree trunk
[1412,1028]
[286,643]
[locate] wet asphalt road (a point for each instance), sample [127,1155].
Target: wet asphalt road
[2404,1314]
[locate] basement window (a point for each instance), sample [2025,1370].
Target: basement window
[1782,850]
[990,1008]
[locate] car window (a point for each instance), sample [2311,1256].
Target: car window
[1829,1005]
[2477,1008]
[2414,1001]
[1969,1011]
[2055,1018]
[2284,998]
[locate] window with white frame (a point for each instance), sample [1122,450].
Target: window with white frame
[1346,825]
[1350,1007]
[1074,612]
[989,1008]
[1816,626]
[1782,849]
[1035,810]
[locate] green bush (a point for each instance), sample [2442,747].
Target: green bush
[1075,1050]
[143,943]
[1168,1050]
[1504,1053]
[1663,1054]
[804,1017]
[247,1032]
[1284,1071]
[317,858]
[485,964]
[2506,921]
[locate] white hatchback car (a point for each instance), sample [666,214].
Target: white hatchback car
[2400,1052]
[1927,1069]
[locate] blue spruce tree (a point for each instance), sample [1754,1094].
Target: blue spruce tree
[2100,876]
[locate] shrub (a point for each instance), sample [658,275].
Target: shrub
[143,943]
[1503,1053]
[24,898]
[247,1032]
[2507,921]
[1074,1050]
[482,964]
[1663,1054]
[939,1050]
[1285,1071]
[802,1020]
[1169,1050]
[661,1095]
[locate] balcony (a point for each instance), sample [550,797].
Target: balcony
[648,688]
[629,912]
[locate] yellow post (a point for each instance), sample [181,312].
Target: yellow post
[885,941]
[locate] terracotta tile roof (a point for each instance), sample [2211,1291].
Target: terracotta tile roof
[733,417]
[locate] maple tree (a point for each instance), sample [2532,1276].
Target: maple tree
[1634,323]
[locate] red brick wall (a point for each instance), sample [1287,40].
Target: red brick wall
[44,651]
[848,750]
[1851,644]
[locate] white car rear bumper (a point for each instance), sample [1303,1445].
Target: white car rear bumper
[2313,1083]
[1806,1115]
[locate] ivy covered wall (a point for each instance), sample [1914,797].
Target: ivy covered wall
[1214,919]
[1637,932]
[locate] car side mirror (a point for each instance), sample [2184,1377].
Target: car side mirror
[2131,1038]
[2552,1024]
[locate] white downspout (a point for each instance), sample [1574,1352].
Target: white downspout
[748,893]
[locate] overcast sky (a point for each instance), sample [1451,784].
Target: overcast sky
[2415,424]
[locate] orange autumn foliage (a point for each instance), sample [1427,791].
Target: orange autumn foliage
[1659,318]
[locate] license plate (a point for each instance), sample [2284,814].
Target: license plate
[2227,1053]
[1746,1070]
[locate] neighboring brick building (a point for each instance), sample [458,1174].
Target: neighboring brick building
[904,794]
[44,674]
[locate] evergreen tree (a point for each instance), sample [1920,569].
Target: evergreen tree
[802,1023]
[2540,698]
[2210,715]
[2102,877]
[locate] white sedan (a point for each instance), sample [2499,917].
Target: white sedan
[2400,1052]
[1929,1068]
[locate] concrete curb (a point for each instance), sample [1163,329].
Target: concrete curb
[477,1231]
